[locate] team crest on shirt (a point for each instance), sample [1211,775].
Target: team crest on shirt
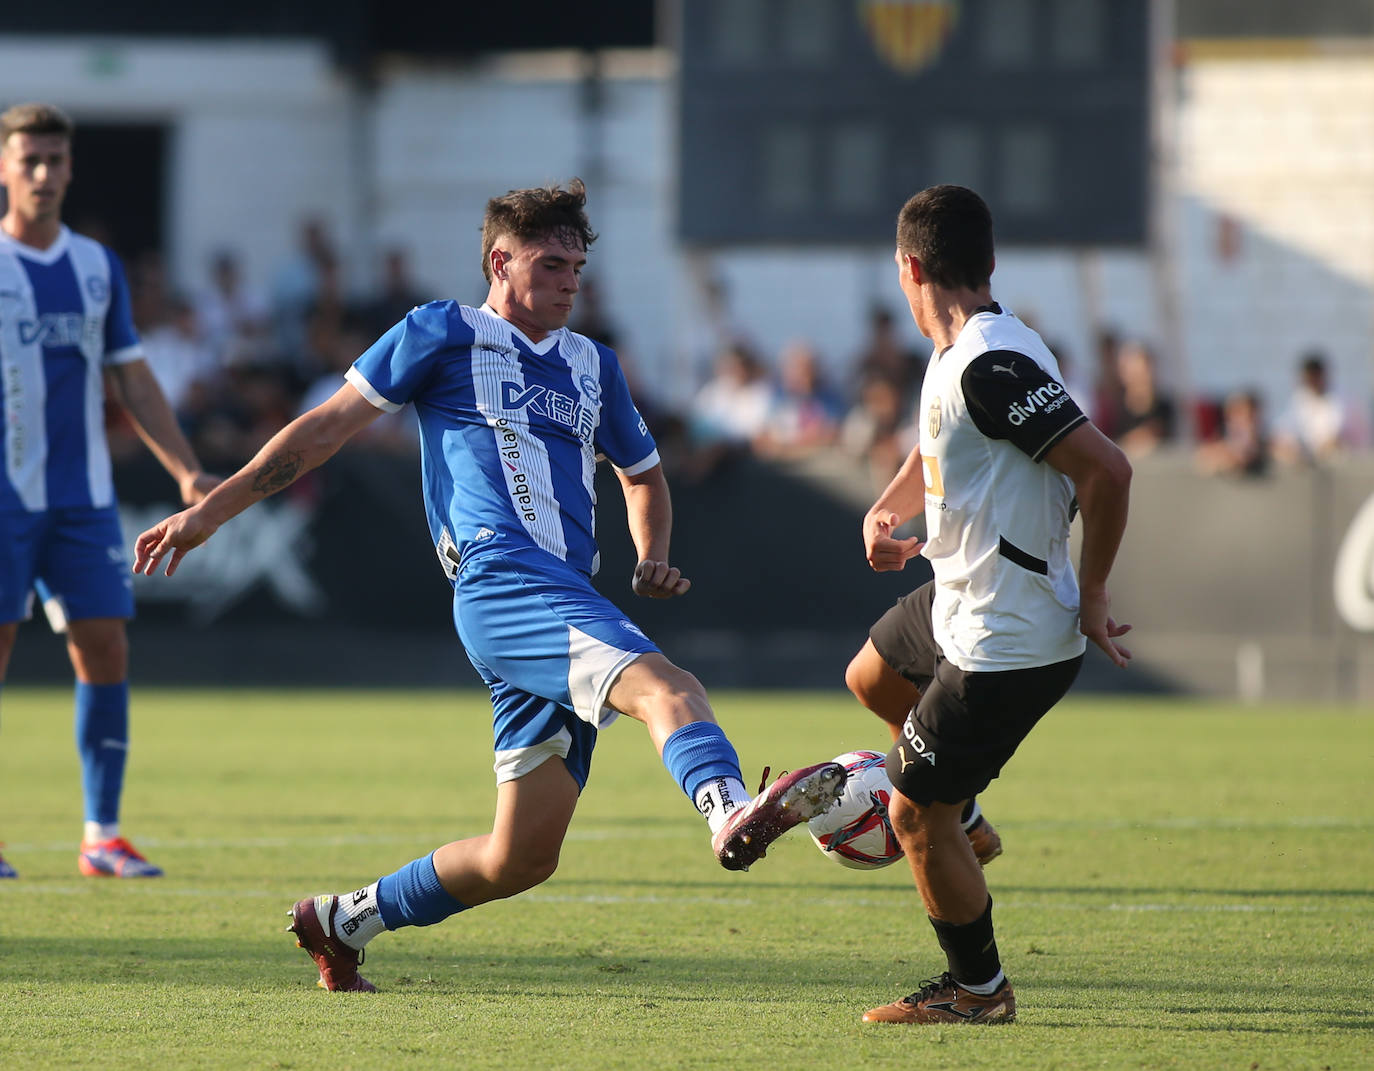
[933,419]
[97,287]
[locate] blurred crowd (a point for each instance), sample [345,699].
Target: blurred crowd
[788,408]
[238,359]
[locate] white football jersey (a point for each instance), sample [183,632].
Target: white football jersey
[997,516]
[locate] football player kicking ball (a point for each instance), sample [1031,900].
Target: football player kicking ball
[986,648]
[514,411]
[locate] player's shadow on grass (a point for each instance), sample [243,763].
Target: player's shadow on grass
[420,961]
[860,882]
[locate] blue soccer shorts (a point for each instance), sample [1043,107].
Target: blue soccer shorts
[78,553]
[549,646]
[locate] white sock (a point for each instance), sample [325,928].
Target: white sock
[719,798]
[358,918]
[987,989]
[973,817]
[98,831]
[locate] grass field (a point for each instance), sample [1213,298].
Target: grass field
[1185,885]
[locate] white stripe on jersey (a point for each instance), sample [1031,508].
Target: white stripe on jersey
[495,360]
[583,359]
[92,269]
[25,388]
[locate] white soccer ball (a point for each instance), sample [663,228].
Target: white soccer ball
[856,832]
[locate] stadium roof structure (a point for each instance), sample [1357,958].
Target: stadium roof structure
[359,30]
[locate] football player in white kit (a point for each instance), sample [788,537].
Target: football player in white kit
[1005,459]
[66,333]
[514,411]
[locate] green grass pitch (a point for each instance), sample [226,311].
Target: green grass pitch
[1185,885]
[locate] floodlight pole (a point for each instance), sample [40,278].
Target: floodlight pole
[1163,207]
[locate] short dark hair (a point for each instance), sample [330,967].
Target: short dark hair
[537,213]
[949,230]
[35,119]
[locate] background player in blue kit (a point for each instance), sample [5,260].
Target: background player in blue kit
[987,647]
[514,411]
[66,333]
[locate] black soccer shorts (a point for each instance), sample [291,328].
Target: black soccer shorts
[967,725]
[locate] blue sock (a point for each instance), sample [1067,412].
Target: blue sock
[413,896]
[102,741]
[698,753]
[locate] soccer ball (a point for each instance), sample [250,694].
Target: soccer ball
[856,832]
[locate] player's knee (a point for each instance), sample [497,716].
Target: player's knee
[909,822]
[514,872]
[674,696]
[101,656]
[857,681]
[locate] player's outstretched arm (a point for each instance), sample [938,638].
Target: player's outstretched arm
[307,442]
[1101,476]
[649,510]
[902,499]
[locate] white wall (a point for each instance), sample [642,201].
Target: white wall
[261,133]
[1283,145]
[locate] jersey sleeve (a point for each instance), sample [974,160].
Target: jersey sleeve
[395,368]
[1009,396]
[121,338]
[622,435]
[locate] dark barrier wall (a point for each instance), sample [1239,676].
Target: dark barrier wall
[1231,584]
[336,581]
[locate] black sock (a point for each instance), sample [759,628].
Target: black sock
[970,949]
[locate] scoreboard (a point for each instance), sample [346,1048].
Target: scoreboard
[812,121]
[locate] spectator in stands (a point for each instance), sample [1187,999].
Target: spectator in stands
[1315,426]
[182,362]
[885,356]
[1106,403]
[309,278]
[592,319]
[729,412]
[871,430]
[1243,449]
[233,317]
[1147,416]
[805,414]
[398,294]
[336,345]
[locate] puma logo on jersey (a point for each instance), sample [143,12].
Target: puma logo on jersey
[1009,369]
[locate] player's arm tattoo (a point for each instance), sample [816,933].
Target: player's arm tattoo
[277,471]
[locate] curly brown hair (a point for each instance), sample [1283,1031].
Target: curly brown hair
[537,213]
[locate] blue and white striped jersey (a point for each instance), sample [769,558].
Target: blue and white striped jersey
[510,430]
[64,317]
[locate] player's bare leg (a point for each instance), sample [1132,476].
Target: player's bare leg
[890,696]
[673,705]
[522,849]
[520,852]
[99,649]
[8,634]
[880,688]
[955,896]
[947,873]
